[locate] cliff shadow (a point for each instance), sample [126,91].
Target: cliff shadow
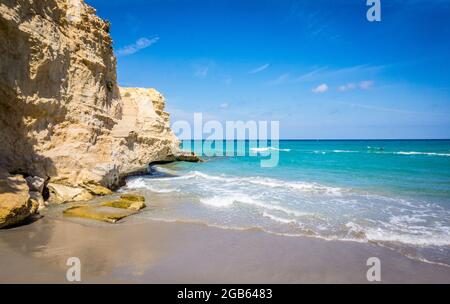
[18,143]
[23,119]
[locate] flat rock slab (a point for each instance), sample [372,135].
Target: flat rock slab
[99,213]
[125,204]
[132,197]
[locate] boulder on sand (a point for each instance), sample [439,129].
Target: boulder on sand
[60,194]
[15,203]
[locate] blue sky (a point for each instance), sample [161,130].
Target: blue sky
[319,67]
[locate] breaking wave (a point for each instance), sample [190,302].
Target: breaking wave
[422,153]
[292,208]
[269,149]
[405,153]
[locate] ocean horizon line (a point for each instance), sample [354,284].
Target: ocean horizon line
[319,139]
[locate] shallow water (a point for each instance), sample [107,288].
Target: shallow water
[393,193]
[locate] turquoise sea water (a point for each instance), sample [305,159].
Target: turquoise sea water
[392,193]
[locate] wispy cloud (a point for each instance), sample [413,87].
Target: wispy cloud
[363,69]
[315,23]
[347,87]
[280,79]
[201,71]
[260,69]
[320,89]
[310,75]
[328,74]
[228,80]
[140,44]
[365,85]
[224,106]
[205,67]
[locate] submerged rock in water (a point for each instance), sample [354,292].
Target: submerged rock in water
[15,202]
[99,213]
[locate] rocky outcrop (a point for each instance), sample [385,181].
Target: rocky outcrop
[60,194]
[143,134]
[15,202]
[63,118]
[58,93]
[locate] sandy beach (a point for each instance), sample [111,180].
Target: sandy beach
[145,251]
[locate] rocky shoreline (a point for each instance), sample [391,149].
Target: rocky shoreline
[68,131]
[22,197]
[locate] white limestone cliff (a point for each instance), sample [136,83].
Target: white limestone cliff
[62,115]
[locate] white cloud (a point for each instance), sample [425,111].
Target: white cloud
[320,89]
[365,85]
[140,44]
[260,69]
[224,106]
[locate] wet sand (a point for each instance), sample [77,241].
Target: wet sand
[144,251]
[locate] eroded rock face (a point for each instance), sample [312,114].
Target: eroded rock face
[143,134]
[58,98]
[62,117]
